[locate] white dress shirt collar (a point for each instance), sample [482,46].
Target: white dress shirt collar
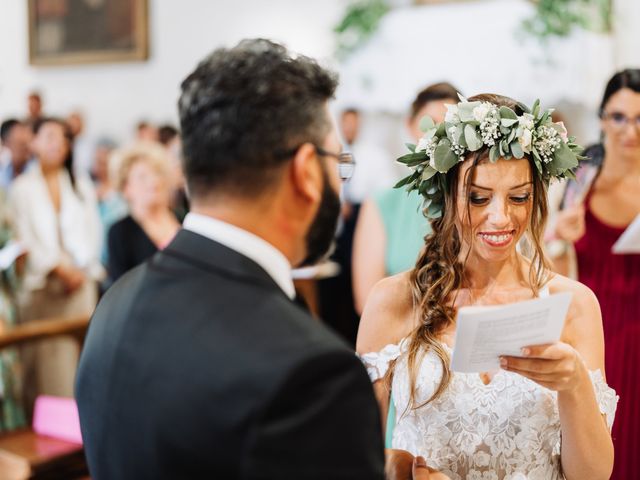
[247,244]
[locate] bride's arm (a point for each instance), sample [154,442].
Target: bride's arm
[587,449]
[384,322]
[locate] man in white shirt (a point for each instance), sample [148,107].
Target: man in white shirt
[198,364]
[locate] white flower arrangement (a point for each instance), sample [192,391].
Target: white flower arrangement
[470,126]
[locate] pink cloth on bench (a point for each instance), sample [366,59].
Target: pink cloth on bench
[57,417]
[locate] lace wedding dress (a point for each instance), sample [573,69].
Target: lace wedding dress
[508,429]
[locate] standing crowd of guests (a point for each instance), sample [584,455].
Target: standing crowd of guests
[77,214]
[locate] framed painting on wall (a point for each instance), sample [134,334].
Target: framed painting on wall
[64,32]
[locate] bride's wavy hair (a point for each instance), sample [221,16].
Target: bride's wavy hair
[439,270]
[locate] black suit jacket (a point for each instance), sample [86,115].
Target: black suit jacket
[197,365]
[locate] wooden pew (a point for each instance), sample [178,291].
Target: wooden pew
[25,454]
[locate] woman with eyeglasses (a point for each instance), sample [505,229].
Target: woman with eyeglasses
[596,210]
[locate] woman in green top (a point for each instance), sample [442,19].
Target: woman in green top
[391,227]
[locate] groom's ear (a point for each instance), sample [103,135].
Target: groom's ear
[306,174]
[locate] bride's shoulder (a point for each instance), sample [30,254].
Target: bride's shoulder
[584,304]
[388,314]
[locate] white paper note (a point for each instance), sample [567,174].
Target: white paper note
[629,241]
[9,253]
[485,333]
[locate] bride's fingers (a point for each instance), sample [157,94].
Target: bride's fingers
[533,365]
[553,351]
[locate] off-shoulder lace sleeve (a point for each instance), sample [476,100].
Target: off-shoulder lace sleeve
[377,363]
[605,396]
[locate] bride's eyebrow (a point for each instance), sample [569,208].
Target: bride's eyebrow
[512,188]
[481,187]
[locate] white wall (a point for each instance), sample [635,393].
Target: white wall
[627,39]
[115,96]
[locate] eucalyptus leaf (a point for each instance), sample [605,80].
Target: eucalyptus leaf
[507,113]
[564,158]
[411,147]
[443,157]
[508,122]
[472,138]
[545,117]
[428,172]
[441,131]
[426,123]
[434,210]
[465,111]
[403,182]
[459,135]
[494,154]
[516,149]
[413,159]
[535,110]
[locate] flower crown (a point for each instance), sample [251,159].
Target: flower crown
[469,126]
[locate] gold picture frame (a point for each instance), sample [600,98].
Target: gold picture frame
[70,32]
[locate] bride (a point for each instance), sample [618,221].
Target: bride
[545,415]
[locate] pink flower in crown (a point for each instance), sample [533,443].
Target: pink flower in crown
[562,130]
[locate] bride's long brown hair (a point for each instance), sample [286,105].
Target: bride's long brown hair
[439,272]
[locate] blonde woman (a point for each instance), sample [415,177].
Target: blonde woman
[143,178]
[544,415]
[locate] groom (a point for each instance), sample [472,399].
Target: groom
[198,364]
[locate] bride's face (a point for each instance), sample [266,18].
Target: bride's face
[499,203]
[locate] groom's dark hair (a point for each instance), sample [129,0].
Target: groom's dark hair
[243,111]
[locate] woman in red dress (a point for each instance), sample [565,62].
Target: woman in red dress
[611,204]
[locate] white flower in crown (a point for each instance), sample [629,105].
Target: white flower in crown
[526,121]
[427,145]
[481,111]
[452,113]
[547,141]
[526,140]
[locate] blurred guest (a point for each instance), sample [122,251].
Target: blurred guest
[146,132]
[144,180]
[391,227]
[15,137]
[56,218]
[373,173]
[169,136]
[83,146]
[12,414]
[34,106]
[111,205]
[596,210]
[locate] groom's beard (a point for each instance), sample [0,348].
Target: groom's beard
[321,234]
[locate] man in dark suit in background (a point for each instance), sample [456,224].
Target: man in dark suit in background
[198,364]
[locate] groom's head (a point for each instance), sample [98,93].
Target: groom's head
[256,131]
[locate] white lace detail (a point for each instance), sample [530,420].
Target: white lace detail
[377,363]
[508,429]
[605,396]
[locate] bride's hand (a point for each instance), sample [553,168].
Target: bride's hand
[557,366]
[402,465]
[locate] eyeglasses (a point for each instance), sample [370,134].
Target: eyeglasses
[346,160]
[620,121]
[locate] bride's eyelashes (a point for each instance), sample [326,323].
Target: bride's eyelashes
[481,200]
